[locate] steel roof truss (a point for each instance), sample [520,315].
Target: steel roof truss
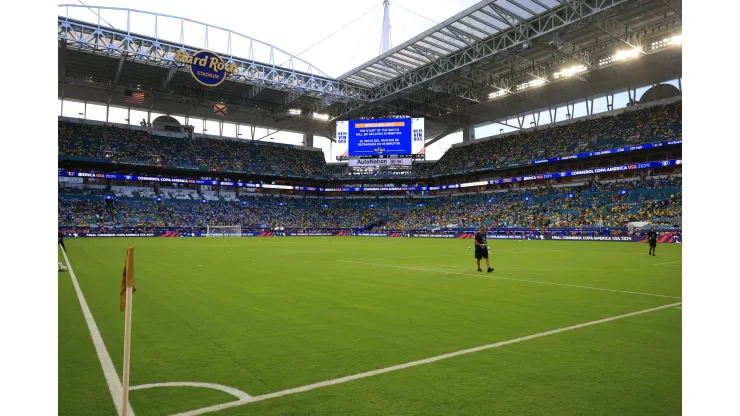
[105,40]
[473,28]
[444,41]
[537,26]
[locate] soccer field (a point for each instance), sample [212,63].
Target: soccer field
[269,315]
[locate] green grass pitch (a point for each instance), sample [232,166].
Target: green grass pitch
[268,314]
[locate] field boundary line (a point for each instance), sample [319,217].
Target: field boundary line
[111,376]
[489,276]
[397,367]
[220,387]
[670,262]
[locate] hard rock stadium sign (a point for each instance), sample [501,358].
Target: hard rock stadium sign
[206,67]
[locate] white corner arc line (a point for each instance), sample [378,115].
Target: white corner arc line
[109,371]
[226,389]
[489,276]
[670,262]
[366,374]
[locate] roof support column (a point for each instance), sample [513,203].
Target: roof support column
[468,133]
[308,139]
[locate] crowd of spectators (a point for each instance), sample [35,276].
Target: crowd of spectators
[593,205]
[647,125]
[138,147]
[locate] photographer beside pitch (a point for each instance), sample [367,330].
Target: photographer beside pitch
[60,240]
[481,249]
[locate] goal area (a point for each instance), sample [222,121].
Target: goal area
[224,231]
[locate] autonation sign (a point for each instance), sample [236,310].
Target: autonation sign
[380,162]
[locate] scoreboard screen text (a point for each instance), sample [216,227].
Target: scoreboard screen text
[382,137]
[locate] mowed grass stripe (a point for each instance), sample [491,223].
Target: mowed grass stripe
[240,312]
[498,276]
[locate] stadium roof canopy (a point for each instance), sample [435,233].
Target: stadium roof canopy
[479,22]
[496,59]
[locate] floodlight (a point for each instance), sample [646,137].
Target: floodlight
[569,72]
[531,84]
[496,94]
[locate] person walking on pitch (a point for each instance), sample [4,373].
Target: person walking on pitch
[652,240]
[481,249]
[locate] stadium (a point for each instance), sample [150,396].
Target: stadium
[299,243]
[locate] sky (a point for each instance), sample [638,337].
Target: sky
[291,25]
[333,36]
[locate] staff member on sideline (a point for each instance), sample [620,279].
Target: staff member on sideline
[60,240]
[481,248]
[652,239]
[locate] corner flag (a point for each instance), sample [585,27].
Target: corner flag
[128,287]
[128,276]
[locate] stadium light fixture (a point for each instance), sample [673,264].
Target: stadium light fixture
[663,43]
[497,94]
[531,84]
[323,117]
[295,111]
[620,56]
[569,72]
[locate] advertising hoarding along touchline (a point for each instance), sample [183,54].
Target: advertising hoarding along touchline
[554,175]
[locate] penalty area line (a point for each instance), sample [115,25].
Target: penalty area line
[111,377]
[372,373]
[489,276]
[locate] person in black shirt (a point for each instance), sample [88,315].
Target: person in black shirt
[481,249]
[60,240]
[652,240]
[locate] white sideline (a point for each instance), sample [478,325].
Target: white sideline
[490,276]
[111,377]
[340,380]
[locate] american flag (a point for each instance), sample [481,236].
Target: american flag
[134,97]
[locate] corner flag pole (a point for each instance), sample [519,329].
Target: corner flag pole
[128,287]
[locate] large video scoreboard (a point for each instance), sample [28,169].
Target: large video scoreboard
[380,138]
